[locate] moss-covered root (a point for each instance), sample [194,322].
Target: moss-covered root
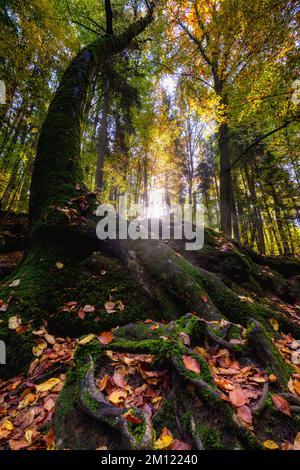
[172,352]
[261,342]
[135,436]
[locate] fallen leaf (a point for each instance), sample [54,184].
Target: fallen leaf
[3,306]
[296,385]
[117,396]
[102,383]
[50,339]
[296,358]
[15,283]
[274,322]
[48,385]
[18,445]
[14,322]
[86,339]
[130,417]
[201,351]
[270,445]
[39,348]
[237,397]
[297,441]
[282,404]
[49,404]
[49,439]
[7,425]
[88,309]
[110,307]
[163,442]
[59,265]
[118,378]
[223,383]
[191,364]
[106,337]
[245,414]
[204,298]
[28,436]
[179,445]
[272,378]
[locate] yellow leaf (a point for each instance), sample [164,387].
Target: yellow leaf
[59,265]
[201,351]
[7,425]
[30,398]
[28,436]
[14,322]
[270,445]
[48,385]
[274,322]
[87,339]
[163,442]
[272,378]
[39,348]
[50,339]
[116,396]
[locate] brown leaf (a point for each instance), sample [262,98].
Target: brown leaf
[110,307]
[49,439]
[191,364]
[204,298]
[81,314]
[106,337]
[118,378]
[179,445]
[245,414]
[102,383]
[49,404]
[88,309]
[18,445]
[282,404]
[238,397]
[130,417]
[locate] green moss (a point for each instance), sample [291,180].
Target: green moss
[212,439]
[165,416]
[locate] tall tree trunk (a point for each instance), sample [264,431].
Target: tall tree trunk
[280,223]
[102,144]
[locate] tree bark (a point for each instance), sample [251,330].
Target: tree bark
[102,144]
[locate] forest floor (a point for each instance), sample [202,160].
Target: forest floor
[138,381]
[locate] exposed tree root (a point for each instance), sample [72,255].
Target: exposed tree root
[135,338]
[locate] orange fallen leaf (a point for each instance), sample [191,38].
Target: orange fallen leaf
[106,337]
[282,404]
[117,396]
[102,383]
[191,364]
[245,414]
[237,397]
[18,445]
[270,445]
[130,417]
[48,385]
[179,445]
